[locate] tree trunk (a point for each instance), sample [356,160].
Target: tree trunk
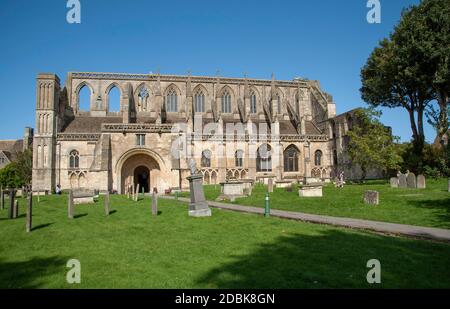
[442,124]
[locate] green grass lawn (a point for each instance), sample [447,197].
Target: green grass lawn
[132,249]
[424,207]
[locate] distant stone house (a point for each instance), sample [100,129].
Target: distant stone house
[10,148]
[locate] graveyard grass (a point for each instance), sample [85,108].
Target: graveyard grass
[133,249]
[424,207]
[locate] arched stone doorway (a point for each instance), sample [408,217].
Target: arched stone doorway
[142,178]
[142,169]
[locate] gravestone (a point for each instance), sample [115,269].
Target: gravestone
[402,181]
[394,182]
[11,204]
[154,204]
[371,197]
[411,181]
[2,199]
[270,185]
[198,207]
[136,194]
[132,192]
[107,204]
[29,225]
[421,182]
[16,209]
[70,205]
[449,185]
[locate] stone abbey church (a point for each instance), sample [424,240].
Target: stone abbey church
[234,128]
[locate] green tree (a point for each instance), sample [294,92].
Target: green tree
[24,166]
[371,144]
[9,177]
[423,37]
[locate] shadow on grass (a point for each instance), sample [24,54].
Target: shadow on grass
[111,212]
[80,216]
[31,273]
[333,259]
[441,205]
[41,226]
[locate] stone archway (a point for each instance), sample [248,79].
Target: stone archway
[142,169]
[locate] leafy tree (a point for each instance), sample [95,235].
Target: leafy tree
[371,143]
[423,37]
[24,166]
[9,177]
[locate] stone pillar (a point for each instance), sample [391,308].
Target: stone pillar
[107,201]
[154,204]
[136,194]
[270,185]
[70,205]
[11,204]
[16,209]
[29,224]
[198,207]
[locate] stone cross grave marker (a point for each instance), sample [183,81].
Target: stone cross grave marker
[270,185]
[394,182]
[411,181]
[154,204]
[421,184]
[29,222]
[107,201]
[371,197]
[402,181]
[70,205]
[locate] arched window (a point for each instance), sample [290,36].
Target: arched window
[291,159]
[206,158]
[84,98]
[171,101]
[114,99]
[239,158]
[252,102]
[226,102]
[264,158]
[143,104]
[74,159]
[199,102]
[318,158]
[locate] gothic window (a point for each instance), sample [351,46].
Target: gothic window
[226,102]
[143,100]
[264,159]
[239,158]
[206,158]
[171,101]
[84,98]
[199,102]
[252,102]
[114,99]
[74,159]
[140,139]
[318,158]
[291,159]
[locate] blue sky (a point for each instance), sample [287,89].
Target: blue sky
[327,40]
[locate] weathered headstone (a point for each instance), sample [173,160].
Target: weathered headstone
[270,185]
[107,201]
[16,209]
[394,182]
[411,181]
[2,199]
[132,192]
[421,182]
[154,204]
[198,207]
[402,181]
[29,224]
[136,195]
[70,205]
[371,197]
[449,185]
[11,204]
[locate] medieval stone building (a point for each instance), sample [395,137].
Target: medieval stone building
[233,127]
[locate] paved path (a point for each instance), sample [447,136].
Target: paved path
[381,227]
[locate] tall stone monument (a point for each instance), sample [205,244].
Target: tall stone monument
[107,201]
[29,224]
[11,204]
[198,207]
[70,205]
